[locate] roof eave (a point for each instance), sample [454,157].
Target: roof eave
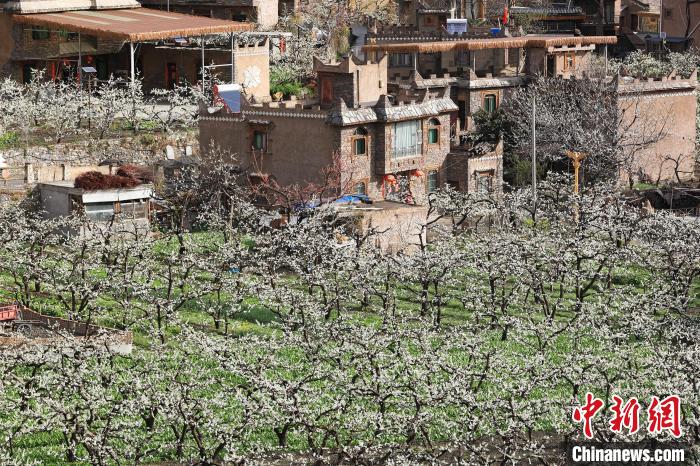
[40,20]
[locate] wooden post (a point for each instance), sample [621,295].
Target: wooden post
[576,159]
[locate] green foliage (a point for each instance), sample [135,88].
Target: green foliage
[491,127]
[144,125]
[517,171]
[284,81]
[9,140]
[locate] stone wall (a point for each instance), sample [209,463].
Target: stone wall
[42,164]
[663,112]
[464,167]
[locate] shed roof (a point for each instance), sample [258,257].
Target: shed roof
[532,41]
[134,24]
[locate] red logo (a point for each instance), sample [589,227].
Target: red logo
[665,415]
[662,415]
[587,412]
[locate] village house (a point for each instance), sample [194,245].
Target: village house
[482,70]
[114,37]
[391,146]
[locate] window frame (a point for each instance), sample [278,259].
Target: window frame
[569,56]
[432,172]
[36,32]
[364,183]
[360,134]
[487,175]
[434,125]
[417,139]
[264,139]
[487,97]
[396,60]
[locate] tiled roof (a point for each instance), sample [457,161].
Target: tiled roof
[341,115]
[544,11]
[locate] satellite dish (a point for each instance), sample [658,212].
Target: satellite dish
[169,152]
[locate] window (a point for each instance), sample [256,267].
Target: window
[609,12]
[401,59]
[326,91]
[137,208]
[668,12]
[484,182]
[434,131]
[100,211]
[490,103]
[569,61]
[433,181]
[259,140]
[68,36]
[40,34]
[648,24]
[406,139]
[361,188]
[359,142]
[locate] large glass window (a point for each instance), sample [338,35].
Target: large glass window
[100,211]
[407,139]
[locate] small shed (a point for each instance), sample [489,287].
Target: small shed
[62,198]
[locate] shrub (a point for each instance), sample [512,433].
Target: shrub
[9,140]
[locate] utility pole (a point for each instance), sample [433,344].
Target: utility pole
[534,160]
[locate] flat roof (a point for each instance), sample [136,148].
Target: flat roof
[529,41]
[132,24]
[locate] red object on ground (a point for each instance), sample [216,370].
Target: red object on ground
[8,312]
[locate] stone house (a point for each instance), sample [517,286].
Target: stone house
[393,146]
